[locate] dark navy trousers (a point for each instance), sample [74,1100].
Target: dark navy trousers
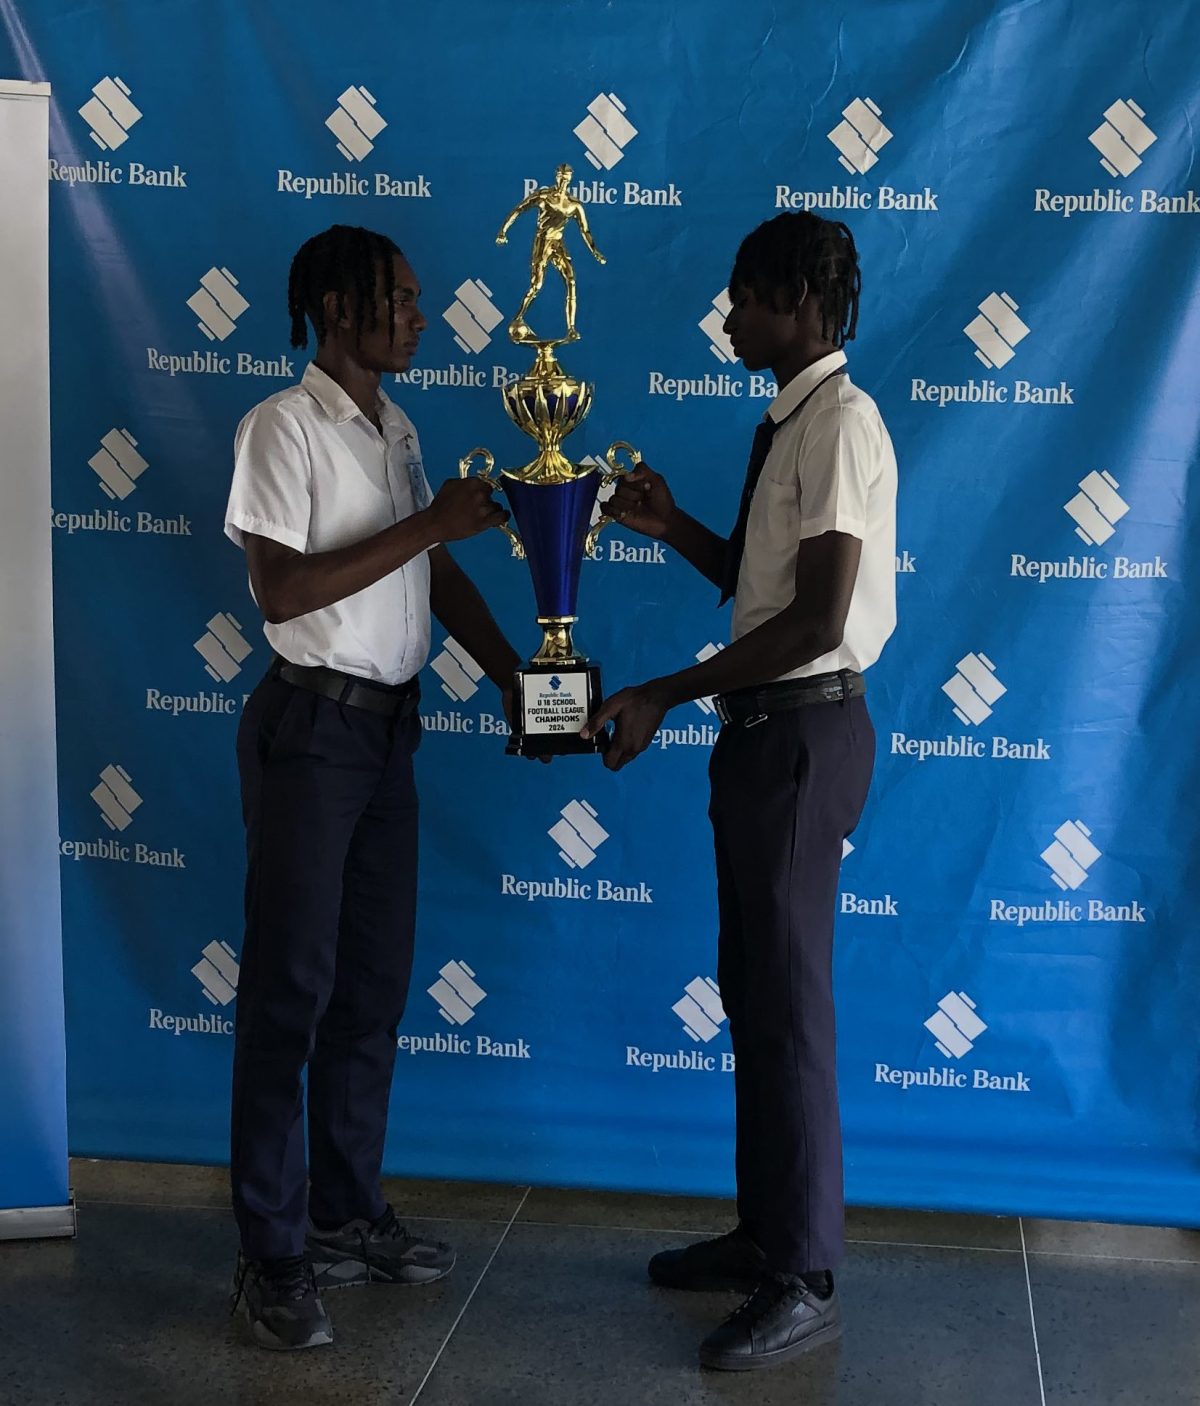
[331,837]
[785,794]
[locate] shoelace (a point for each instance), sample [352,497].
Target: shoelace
[291,1278]
[768,1293]
[387,1227]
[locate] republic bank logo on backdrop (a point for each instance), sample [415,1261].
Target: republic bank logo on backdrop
[118,466]
[116,797]
[118,803]
[974,692]
[701,1018]
[1068,861]
[223,650]
[857,140]
[956,1027]
[700,1009]
[217,305]
[354,129]
[355,123]
[110,115]
[457,670]
[994,333]
[472,318]
[1121,142]
[458,995]
[606,131]
[460,680]
[606,134]
[576,835]
[1095,510]
[217,971]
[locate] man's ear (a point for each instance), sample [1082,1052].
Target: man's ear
[335,316]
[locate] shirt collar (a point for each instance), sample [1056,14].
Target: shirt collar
[338,405]
[799,386]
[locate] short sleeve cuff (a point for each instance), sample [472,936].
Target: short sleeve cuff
[238,524]
[833,522]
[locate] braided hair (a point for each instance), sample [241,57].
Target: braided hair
[782,257]
[344,259]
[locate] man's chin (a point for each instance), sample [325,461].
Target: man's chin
[395,364]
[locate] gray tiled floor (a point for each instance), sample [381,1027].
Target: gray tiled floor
[549,1305]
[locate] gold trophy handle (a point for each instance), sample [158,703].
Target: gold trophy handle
[489,463]
[615,470]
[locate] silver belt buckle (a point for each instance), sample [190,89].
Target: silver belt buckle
[720,709]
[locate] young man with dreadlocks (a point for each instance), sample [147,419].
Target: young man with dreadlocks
[810,565]
[345,550]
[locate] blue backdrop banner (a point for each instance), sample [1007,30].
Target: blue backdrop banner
[1017,955]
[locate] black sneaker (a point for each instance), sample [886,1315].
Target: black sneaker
[780,1320]
[730,1261]
[279,1300]
[376,1252]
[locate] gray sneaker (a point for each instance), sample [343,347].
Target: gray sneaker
[376,1252]
[280,1302]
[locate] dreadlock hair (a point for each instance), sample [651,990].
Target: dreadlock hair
[782,257]
[344,259]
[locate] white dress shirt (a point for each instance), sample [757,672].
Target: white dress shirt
[312,472]
[831,468]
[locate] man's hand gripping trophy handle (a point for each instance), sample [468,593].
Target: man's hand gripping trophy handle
[616,471]
[488,475]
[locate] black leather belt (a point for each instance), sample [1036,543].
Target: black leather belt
[748,706]
[391,700]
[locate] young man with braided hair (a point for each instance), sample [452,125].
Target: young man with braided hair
[810,565]
[345,550]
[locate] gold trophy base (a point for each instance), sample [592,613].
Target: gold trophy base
[554,697]
[558,648]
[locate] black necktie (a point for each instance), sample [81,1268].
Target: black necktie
[759,450]
[763,435]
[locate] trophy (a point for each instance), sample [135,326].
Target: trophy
[552,499]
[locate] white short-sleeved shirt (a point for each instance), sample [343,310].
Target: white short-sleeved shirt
[831,468]
[312,472]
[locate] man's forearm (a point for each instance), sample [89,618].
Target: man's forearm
[698,545]
[303,582]
[461,609]
[778,646]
